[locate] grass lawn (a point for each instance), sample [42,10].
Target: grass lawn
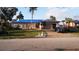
[12,34]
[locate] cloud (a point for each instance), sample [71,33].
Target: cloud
[59,12]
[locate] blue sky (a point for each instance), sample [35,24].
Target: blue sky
[39,13]
[45,12]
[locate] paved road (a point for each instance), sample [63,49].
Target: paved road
[39,44]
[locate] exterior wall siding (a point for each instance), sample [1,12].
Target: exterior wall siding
[28,26]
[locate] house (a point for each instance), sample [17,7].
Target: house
[35,24]
[28,23]
[48,24]
[41,24]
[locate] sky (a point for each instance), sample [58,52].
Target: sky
[45,12]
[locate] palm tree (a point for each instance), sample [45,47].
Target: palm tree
[32,9]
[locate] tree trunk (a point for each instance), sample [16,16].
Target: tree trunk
[32,14]
[32,18]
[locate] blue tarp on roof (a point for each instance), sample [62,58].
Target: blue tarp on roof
[28,21]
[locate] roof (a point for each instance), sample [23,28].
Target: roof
[51,21]
[28,21]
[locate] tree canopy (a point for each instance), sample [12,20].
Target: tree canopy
[7,13]
[53,18]
[68,19]
[20,16]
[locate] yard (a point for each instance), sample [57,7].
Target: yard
[13,34]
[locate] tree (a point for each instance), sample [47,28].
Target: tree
[53,22]
[6,14]
[20,16]
[68,20]
[53,18]
[32,9]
